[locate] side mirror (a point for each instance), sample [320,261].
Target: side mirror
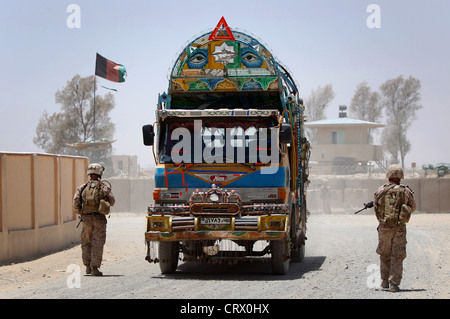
[285,134]
[148,134]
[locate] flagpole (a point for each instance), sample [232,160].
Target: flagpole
[102,70]
[95,84]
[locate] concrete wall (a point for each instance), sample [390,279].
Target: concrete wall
[345,195]
[326,153]
[351,134]
[349,195]
[36,214]
[132,194]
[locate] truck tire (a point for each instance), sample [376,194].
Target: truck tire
[280,257]
[168,256]
[298,254]
[299,241]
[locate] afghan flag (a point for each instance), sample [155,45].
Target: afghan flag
[109,70]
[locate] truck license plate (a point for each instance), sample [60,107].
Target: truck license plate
[215,220]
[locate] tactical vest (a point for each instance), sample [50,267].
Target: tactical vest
[91,195]
[392,208]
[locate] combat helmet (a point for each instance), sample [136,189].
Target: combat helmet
[394,171]
[96,169]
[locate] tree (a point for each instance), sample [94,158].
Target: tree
[365,105]
[318,101]
[75,123]
[315,106]
[400,98]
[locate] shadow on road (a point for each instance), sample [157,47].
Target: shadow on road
[247,271]
[401,290]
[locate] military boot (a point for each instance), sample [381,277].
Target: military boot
[88,270]
[96,272]
[384,284]
[393,287]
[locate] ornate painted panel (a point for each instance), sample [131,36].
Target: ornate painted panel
[225,60]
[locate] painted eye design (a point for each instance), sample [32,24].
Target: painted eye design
[250,58]
[198,59]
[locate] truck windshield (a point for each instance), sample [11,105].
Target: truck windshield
[245,100]
[225,140]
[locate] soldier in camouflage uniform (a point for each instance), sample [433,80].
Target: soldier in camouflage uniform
[92,200]
[393,205]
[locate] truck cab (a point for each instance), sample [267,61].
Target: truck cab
[231,155]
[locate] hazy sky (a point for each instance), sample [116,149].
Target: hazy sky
[321,42]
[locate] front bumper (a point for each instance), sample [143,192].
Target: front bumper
[177,228]
[215,235]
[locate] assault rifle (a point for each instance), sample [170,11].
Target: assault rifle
[368,205]
[81,219]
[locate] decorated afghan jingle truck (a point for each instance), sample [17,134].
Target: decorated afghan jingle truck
[232,157]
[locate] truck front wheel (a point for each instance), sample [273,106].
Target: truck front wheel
[280,257]
[168,256]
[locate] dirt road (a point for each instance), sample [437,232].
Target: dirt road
[340,262]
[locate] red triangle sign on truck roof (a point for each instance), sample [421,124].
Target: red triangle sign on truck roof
[221,32]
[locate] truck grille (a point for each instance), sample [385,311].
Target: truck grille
[246,223]
[183,223]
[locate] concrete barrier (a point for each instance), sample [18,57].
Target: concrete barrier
[132,194]
[347,194]
[36,214]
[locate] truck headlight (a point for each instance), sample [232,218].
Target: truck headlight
[214,197]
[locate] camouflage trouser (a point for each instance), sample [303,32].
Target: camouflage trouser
[93,238]
[392,251]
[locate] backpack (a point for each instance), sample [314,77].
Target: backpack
[92,198]
[392,207]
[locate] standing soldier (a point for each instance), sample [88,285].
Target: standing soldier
[92,200]
[393,204]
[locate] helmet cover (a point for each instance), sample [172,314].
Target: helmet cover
[96,169]
[394,171]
